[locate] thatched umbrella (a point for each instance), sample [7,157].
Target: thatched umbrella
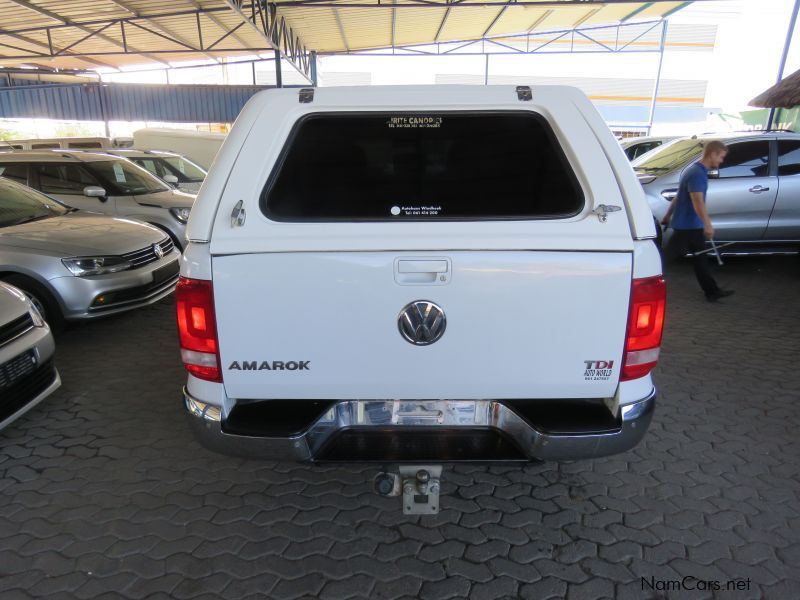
[784,94]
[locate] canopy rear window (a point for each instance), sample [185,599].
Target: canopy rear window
[431,166]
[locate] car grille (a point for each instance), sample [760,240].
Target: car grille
[16,368]
[145,256]
[29,382]
[15,328]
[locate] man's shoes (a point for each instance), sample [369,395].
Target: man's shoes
[717,295]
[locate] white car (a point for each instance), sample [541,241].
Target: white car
[27,372]
[101,183]
[420,274]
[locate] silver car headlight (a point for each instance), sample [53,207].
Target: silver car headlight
[36,316]
[96,265]
[182,214]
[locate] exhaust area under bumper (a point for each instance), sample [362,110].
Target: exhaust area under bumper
[421,430]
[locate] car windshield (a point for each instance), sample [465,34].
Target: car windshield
[668,157]
[20,204]
[183,169]
[121,178]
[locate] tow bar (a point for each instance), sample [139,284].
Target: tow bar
[418,485]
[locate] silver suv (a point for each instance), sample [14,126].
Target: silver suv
[101,183]
[753,197]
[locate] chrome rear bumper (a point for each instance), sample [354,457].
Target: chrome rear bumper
[400,417]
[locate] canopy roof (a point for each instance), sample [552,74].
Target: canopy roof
[784,94]
[90,34]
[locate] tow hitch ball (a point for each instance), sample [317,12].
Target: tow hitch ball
[418,485]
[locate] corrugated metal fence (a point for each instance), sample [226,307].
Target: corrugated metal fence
[125,102]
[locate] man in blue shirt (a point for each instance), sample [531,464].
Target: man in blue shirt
[690,221]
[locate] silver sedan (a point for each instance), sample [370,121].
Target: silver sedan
[76,265]
[27,373]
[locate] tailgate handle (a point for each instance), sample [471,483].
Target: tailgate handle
[422,266]
[422,271]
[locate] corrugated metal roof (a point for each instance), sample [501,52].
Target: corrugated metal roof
[84,34]
[127,102]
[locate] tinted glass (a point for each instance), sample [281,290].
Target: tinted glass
[746,159]
[122,178]
[183,169]
[422,167]
[151,165]
[44,146]
[645,148]
[15,171]
[19,204]
[63,179]
[668,157]
[788,157]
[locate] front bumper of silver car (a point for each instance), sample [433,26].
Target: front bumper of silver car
[424,430]
[91,297]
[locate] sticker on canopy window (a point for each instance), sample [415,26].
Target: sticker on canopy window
[415,211]
[414,122]
[119,174]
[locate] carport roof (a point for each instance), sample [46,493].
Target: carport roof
[91,34]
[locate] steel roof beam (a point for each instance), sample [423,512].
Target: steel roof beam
[467,3]
[272,27]
[442,24]
[495,20]
[49,52]
[177,38]
[211,17]
[64,21]
[394,23]
[341,29]
[540,20]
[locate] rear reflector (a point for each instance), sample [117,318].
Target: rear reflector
[197,327]
[645,326]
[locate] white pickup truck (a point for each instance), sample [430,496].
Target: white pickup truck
[420,275]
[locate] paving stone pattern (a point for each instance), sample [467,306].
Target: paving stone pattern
[104,493]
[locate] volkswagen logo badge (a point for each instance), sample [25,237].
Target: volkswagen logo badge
[421,322]
[159,251]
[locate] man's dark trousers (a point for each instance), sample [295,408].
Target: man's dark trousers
[692,241]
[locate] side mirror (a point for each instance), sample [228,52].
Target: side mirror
[171,179]
[94,191]
[713,174]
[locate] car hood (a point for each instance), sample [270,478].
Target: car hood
[81,234]
[12,303]
[166,199]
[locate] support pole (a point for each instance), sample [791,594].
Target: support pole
[313,59]
[486,70]
[278,76]
[654,99]
[253,66]
[787,43]
[103,113]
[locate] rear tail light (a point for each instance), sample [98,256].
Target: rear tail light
[645,326]
[197,326]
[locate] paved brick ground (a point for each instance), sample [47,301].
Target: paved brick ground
[103,493]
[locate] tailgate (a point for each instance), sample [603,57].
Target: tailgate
[517,324]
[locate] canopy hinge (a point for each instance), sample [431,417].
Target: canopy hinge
[602,211]
[238,214]
[524,93]
[306,95]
